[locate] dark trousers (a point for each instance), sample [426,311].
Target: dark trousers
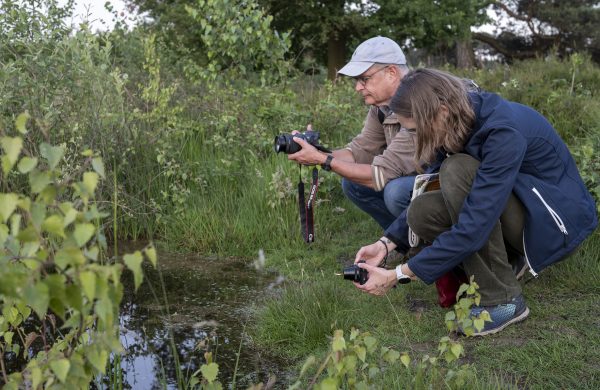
[433,213]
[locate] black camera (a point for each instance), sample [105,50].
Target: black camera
[285,142]
[356,274]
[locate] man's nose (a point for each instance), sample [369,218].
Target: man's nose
[358,86]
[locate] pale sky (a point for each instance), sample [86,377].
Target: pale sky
[95,13]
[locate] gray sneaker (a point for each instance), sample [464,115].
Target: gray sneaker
[501,315]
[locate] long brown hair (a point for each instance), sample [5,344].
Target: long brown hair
[421,95]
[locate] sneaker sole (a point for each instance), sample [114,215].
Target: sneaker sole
[520,317]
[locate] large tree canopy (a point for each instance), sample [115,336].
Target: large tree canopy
[530,28]
[326,31]
[330,29]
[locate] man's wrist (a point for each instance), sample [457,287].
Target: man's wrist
[326,165]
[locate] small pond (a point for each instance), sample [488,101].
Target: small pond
[210,301]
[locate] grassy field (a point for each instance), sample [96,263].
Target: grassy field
[556,347]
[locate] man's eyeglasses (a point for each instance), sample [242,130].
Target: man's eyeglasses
[364,79]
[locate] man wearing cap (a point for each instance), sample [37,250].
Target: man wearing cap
[377,166]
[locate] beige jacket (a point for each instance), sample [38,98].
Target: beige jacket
[388,147]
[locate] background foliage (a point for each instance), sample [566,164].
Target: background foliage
[186,139]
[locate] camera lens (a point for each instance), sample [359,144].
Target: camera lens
[285,143]
[355,274]
[280,144]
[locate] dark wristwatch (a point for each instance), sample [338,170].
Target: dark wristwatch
[327,164]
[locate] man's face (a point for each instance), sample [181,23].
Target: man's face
[377,84]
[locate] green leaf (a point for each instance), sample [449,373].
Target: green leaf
[74,296]
[83,232]
[151,253]
[391,356]
[210,371]
[457,349]
[10,314]
[12,148]
[373,371]
[37,296]
[21,122]
[134,262]
[8,204]
[478,323]
[3,234]
[405,359]
[8,337]
[361,352]
[92,253]
[104,310]
[485,315]
[39,180]
[36,377]
[98,166]
[60,368]
[370,342]
[30,249]
[29,234]
[54,224]
[69,256]
[52,153]
[338,344]
[90,181]
[88,282]
[463,287]
[329,384]
[69,212]
[97,358]
[27,164]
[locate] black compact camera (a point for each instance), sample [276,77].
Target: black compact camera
[285,142]
[356,274]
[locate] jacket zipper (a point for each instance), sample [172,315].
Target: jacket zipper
[557,220]
[531,271]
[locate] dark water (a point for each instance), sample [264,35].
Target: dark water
[209,303]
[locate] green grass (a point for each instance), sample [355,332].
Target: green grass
[558,346]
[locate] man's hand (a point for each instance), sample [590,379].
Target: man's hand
[372,254]
[308,155]
[380,280]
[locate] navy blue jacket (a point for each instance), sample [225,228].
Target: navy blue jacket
[519,151]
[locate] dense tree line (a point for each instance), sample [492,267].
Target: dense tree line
[324,31]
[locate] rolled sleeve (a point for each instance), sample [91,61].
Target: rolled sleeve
[397,160]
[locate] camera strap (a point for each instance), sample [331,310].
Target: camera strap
[307,225]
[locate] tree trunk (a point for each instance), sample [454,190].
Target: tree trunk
[336,55]
[464,53]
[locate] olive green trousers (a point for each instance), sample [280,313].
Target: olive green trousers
[433,213]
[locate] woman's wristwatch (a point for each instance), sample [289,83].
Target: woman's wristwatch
[402,279]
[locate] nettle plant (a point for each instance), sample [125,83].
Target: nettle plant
[59,294]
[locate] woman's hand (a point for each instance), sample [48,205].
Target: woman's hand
[380,280]
[372,254]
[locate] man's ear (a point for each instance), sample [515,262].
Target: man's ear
[394,72]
